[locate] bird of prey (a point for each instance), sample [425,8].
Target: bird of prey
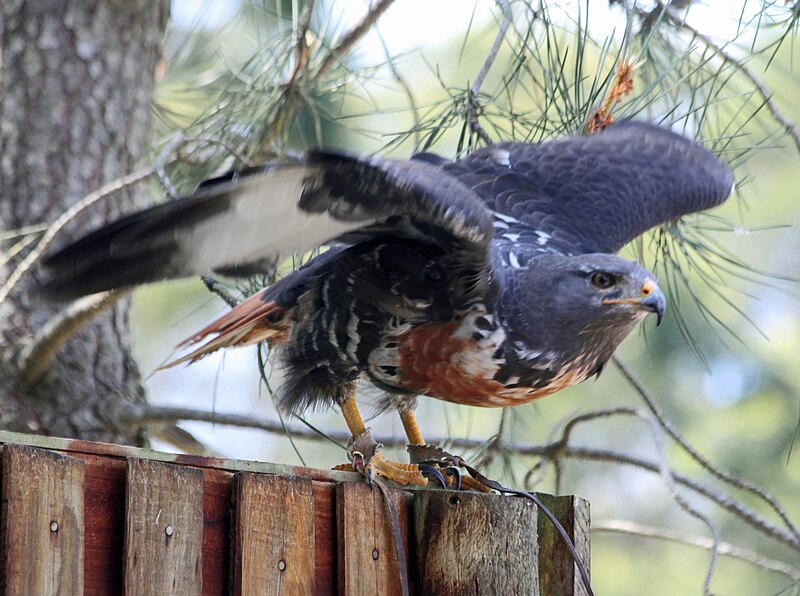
[489,281]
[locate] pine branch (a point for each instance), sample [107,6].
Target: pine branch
[619,526]
[473,104]
[353,36]
[728,58]
[36,356]
[55,228]
[664,470]
[697,456]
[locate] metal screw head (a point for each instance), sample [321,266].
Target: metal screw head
[281,564]
[169,530]
[54,526]
[375,554]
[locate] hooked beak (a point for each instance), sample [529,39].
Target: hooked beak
[652,299]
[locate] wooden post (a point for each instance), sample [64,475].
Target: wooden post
[137,521]
[42,522]
[367,560]
[163,529]
[559,574]
[469,543]
[274,536]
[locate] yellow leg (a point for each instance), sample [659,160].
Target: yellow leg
[411,427]
[399,472]
[352,416]
[415,438]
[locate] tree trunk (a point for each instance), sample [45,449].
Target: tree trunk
[76,86]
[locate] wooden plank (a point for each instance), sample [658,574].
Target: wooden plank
[274,535]
[104,515]
[325,549]
[163,529]
[558,573]
[216,531]
[43,522]
[475,543]
[367,560]
[75,446]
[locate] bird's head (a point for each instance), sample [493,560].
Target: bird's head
[580,302]
[613,289]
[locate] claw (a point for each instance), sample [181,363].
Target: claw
[430,471]
[455,472]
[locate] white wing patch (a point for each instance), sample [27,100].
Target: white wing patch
[264,223]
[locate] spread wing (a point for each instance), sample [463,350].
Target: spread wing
[574,195]
[593,193]
[240,223]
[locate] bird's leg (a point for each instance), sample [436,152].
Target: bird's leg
[431,456]
[411,427]
[365,454]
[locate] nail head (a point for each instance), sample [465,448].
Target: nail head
[169,530]
[54,526]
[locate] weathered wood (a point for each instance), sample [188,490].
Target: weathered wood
[558,572]
[367,559]
[42,529]
[274,535]
[476,544]
[104,524]
[325,549]
[216,531]
[77,446]
[163,529]
[349,523]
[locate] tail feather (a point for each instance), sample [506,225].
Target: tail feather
[251,322]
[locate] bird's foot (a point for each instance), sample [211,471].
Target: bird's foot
[366,458]
[428,462]
[437,458]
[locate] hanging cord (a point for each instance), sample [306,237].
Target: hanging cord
[494,485]
[421,454]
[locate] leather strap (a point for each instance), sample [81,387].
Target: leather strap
[400,552]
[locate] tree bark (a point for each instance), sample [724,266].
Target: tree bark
[76,86]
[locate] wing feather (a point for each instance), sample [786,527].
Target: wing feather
[264,215]
[595,193]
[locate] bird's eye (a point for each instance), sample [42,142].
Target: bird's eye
[603,280]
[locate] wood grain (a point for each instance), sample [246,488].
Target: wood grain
[558,572]
[104,523]
[274,536]
[216,531]
[325,549]
[43,522]
[474,543]
[122,497]
[367,559]
[163,529]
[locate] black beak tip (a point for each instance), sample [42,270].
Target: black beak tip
[656,303]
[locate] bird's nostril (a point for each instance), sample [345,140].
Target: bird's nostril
[648,287]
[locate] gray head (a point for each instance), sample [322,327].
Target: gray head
[572,305]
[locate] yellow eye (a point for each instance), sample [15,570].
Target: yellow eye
[603,280]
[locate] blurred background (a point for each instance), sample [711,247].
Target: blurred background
[725,365]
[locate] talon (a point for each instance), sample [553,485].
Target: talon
[470,483]
[399,473]
[456,473]
[430,471]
